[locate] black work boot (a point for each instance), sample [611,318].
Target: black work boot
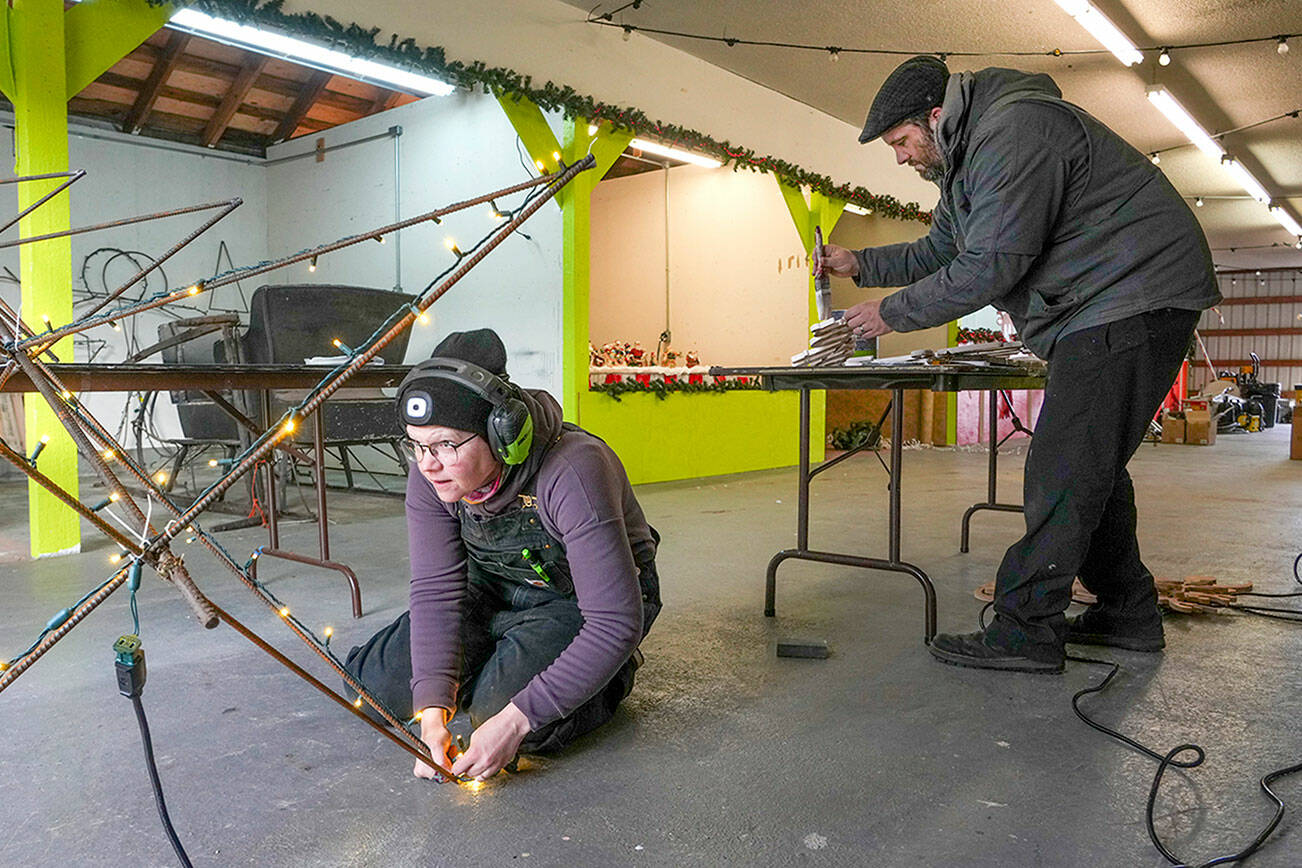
[1096,627]
[978,651]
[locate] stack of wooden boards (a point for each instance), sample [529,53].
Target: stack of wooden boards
[830,343]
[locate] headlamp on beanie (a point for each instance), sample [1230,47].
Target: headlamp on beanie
[453,391]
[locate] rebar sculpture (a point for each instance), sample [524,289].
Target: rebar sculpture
[26,349]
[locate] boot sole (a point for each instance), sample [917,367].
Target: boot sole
[1129,643]
[1013,664]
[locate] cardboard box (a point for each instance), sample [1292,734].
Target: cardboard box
[1199,428]
[1172,427]
[1295,450]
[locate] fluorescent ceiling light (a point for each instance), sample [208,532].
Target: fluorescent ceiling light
[674,153]
[857,209]
[299,51]
[1245,179]
[1286,220]
[1102,29]
[1184,121]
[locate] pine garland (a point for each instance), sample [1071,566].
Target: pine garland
[359,41]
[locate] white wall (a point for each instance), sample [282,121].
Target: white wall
[738,283]
[452,148]
[128,177]
[547,39]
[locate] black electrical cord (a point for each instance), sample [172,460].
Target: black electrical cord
[1166,761]
[156,783]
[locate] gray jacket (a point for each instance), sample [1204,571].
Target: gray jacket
[1044,213]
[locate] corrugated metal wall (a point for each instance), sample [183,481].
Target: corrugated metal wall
[1222,328]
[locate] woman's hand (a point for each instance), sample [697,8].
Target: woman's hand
[493,745]
[434,732]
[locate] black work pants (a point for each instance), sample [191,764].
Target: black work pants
[503,648]
[1104,386]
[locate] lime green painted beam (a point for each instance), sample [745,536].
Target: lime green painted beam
[36,55]
[99,33]
[46,56]
[534,131]
[820,210]
[6,56]
[605,145]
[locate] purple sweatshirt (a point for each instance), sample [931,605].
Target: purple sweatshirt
[585,501]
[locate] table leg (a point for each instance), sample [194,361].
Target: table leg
[323,533]
[891,564]
[991,503]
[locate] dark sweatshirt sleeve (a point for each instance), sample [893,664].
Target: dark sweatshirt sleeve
[438,586]
[580,498]
[1016,183]
[909,261]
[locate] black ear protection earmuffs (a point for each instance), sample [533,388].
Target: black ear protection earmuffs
[510,427]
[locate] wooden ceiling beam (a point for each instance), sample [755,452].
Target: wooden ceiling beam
[153,86]
[303,103]
[232,100]
[385,101]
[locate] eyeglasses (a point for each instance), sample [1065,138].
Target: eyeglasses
[445,450]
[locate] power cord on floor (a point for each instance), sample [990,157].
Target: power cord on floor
[1169,759]
[130,667]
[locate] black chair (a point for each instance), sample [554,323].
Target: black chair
[288,325]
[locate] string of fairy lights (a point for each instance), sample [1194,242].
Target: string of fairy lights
[834,52]
[134,562]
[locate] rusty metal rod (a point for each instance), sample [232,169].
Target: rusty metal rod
[19,461]
[113,224]
[271,437]
[73,177]
[231,205]
[18,179]
[186,518]
[89,322]
[47,642]
[410,744]
[219,553]
[41,381]
[21,328]
[158,556]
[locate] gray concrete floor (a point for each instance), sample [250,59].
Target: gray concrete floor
[724,753]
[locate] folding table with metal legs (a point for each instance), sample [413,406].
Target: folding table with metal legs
[992,502]
[896,379]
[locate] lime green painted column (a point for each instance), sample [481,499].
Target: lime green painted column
[575,201]
[819,211]
[47,56]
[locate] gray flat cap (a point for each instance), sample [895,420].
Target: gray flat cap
[917,85]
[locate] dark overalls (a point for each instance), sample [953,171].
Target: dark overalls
[518,615]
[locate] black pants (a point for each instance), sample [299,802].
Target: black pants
[503,648]
[1104,386]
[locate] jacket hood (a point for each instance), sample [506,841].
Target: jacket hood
[547,419]
[969,94]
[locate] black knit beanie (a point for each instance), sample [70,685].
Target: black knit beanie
[917,85]
[428,400]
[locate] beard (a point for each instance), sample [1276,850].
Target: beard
[930,162]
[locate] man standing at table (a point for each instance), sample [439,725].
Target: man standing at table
[1048,215]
